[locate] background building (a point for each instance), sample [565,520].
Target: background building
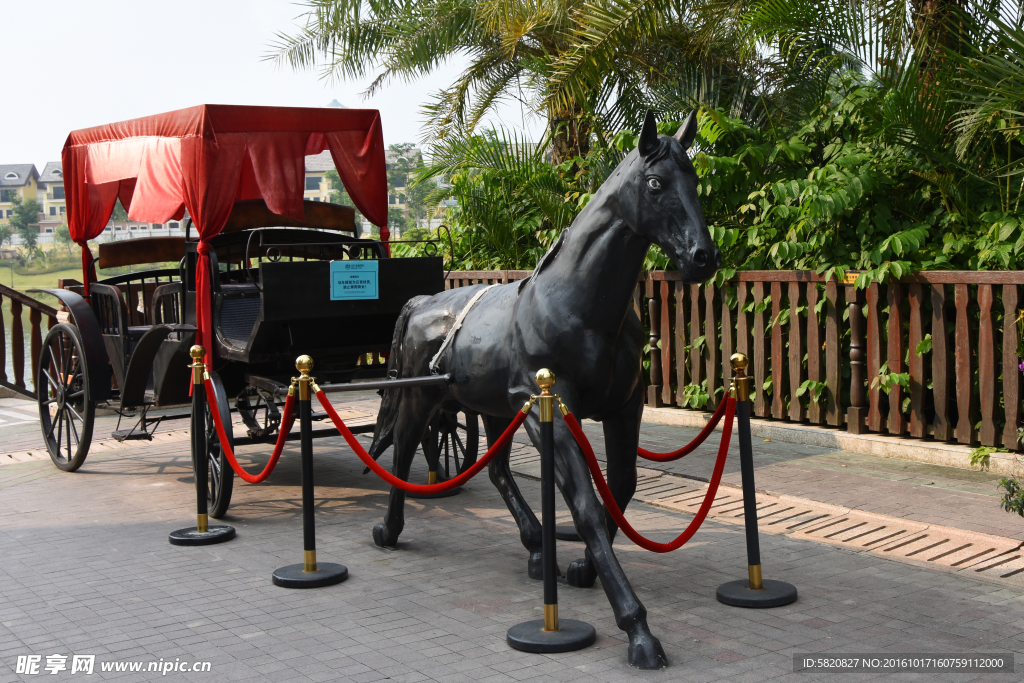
[16,180]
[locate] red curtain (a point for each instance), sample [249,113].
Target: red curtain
[208,157]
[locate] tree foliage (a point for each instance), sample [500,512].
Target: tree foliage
[25,221]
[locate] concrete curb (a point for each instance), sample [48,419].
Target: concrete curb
[917,450]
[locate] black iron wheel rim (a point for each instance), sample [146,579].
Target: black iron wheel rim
[457,441]
[66,410]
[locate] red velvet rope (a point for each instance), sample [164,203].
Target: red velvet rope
[421,489]
[612,506]
[690,447]
[287,418]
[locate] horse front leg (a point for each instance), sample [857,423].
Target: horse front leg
[413,417]
[621,438]
[500,474]
[573,478]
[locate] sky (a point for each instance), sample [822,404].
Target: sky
[78,63]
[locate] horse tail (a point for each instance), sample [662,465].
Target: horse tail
[384,431]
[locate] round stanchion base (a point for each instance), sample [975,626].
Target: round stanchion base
[774,594]
[217,533]
[567,533]
[326,574]
[444,494]
[530,636]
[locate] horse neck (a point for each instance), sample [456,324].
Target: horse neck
[598,266]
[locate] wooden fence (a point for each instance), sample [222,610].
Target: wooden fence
[37,311]
[933,355]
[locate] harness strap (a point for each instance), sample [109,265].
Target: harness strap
[455,328]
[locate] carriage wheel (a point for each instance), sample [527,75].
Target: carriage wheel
[457,435]
[66,409]
[259,413]
[220,477]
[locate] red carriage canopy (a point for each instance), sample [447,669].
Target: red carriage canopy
[206,158]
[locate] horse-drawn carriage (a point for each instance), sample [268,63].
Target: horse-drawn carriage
[265,277]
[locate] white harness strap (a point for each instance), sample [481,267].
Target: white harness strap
[455,328]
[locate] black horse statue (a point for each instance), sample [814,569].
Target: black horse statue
[574,315]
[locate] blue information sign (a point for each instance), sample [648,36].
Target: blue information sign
[352,280]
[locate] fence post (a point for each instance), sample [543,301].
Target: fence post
[17,344]
[897,425]
[916,369]
[1011,377]
[986,367]
[833,352]
[796,356]
[680,341]
[965,432]
[654,311]
[941,428]
[667,343]
[857,411]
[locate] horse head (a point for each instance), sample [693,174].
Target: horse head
[657,198]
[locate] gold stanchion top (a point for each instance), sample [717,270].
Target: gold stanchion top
[739,361]
[304,364]
[545,379]
[197,352]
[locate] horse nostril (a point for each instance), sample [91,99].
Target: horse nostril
[700,257]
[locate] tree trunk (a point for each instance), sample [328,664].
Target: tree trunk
[570,136]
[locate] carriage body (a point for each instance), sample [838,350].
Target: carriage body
[254,285]
[271,300]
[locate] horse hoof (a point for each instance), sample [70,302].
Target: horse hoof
[381,538]
[581,574]
[536,567]
[645,651]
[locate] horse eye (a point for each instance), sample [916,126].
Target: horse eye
[654,183]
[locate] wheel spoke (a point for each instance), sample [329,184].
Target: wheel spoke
[53,423]
[68,423]
[67,406]
[72,429]
[51,380]
[65,362]
[60,429]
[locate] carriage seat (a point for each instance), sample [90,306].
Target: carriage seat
[237,309]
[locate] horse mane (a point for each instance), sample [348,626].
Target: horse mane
[544,261]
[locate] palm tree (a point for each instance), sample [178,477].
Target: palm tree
[528,51]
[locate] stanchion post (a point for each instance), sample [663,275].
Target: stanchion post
[203,533]
[755,591]
[549,634]
[309,574]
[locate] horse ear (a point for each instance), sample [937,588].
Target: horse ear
[648,136]
[688,131]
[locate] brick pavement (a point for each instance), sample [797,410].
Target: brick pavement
[87,569]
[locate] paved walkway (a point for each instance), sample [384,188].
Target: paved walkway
[87,570]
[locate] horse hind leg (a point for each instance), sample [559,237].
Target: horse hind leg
[501,476]
[413,417]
